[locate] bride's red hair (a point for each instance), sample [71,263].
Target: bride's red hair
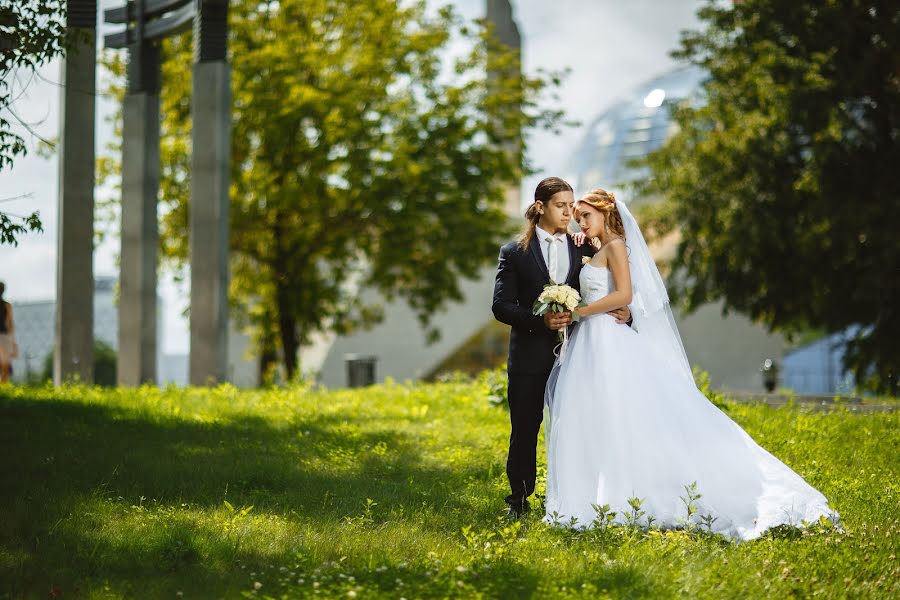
[605,202]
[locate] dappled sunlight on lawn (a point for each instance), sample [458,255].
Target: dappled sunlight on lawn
[148,492]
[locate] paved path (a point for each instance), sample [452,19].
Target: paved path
[823,403]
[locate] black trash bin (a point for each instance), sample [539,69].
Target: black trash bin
[360,370]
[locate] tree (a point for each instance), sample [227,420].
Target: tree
[32,33]
[783,177]
[362,157]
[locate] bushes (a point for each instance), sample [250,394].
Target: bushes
[105,362]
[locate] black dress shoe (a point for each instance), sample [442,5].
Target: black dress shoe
[515,511]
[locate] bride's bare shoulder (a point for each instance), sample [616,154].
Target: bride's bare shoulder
[615,247]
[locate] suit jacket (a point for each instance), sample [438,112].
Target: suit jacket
[521,277]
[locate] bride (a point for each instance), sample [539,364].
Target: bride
[627,420]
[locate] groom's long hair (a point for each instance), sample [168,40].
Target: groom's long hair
[542,193]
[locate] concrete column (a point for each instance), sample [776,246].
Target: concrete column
[209,208]
[140,239]
[73,356]
[500,14]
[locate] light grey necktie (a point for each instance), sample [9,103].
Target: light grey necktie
[553,257]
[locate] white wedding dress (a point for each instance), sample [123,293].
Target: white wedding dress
[626,421]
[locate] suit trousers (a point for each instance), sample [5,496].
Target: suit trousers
[525,394]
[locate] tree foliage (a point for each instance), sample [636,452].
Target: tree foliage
[32,33]
[362,158]
[784,179]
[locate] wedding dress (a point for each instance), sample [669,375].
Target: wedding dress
[627,421]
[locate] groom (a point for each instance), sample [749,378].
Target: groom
[544,252]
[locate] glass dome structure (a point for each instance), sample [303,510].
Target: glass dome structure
[631,129]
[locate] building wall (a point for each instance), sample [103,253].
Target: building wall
[730,348]
[817,368]
[399,343]
[35,324]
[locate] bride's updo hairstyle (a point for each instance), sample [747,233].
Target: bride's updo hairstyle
[545,190]
[605,202]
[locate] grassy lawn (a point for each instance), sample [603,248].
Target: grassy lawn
[393,491]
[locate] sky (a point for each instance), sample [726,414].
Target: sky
[610,47]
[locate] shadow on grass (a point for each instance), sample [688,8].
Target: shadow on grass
[57,457]
[102,497]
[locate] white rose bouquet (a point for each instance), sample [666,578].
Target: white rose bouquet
[557,298]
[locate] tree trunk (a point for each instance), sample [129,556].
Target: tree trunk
[268,355]
[287,326]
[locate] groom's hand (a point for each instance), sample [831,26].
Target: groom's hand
[580,238]
[622,315]
[557,321]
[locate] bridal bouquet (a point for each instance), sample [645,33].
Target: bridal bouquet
[557,298]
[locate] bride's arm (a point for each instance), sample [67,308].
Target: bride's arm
[617,261]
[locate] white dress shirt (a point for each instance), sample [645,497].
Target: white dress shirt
[562,253]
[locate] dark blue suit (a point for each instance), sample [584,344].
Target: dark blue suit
[521,277]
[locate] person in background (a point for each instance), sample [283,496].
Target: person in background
[8,348]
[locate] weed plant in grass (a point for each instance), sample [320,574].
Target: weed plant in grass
[386,492]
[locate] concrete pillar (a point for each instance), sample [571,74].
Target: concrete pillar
[140,230]
[209,208]
[73,357]
[140,240]
[499,13]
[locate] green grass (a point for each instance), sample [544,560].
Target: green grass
[388,492]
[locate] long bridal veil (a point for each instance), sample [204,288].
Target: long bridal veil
[650,305]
